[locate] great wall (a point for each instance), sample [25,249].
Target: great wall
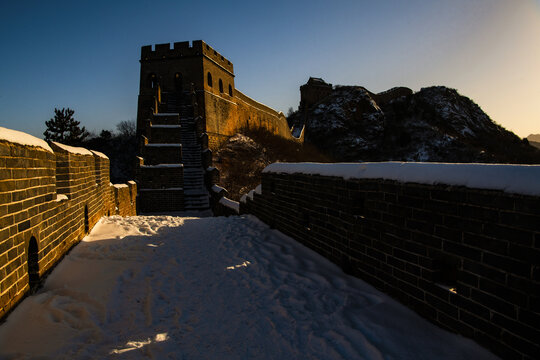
[464,255]
[466,258]
[51,195]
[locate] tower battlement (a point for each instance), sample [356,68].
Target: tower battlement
[185,49]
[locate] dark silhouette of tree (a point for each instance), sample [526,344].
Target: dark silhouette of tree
[64,129]
[121,148]
[126,128]
[290,112]
[105,135]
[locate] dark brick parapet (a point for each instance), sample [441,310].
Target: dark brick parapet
[466,259]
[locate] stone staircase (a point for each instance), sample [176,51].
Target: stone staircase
[170,173]
[160,171]
[195,193]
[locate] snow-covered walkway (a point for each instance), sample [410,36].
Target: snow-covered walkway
[163,287]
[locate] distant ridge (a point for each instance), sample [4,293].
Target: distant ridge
[435,124]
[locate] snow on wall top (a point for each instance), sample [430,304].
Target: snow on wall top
[21,138]
[217,189]
[231,204]
[73,149]
[520,179]
[97,153]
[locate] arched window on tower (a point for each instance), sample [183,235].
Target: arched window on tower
[220,86]
[152,81]
[209,79]
[230,90]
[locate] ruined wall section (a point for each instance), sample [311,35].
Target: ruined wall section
[391,94]
[50,198]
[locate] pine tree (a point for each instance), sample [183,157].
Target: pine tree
[64,129]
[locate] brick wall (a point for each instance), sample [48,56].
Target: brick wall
[466,259]
[226,116]
[155,200]
[49,200]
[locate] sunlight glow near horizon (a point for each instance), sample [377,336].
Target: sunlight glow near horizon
[85,55]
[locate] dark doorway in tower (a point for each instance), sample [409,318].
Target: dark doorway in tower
[178,83]
[33,264]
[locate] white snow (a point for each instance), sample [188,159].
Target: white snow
[102,155]
[21,138]
[520,179]
[257,190]
[61,197]
[166,126]
[120,186]
[164,145]
[163,287]
[231,204]
[163,166]
[73,149]
[217,188]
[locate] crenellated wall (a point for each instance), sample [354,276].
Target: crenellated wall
[50,198]
[463,252]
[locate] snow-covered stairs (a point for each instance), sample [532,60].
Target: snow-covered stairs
[171,176]
[195,194]
[160,174]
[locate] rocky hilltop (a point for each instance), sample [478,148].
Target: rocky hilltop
[433,124]
[534,140]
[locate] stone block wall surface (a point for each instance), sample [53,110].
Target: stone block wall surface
[226,115]
[466,259]
[49,200]
[159,200]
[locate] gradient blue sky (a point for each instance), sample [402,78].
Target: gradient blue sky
[84,54]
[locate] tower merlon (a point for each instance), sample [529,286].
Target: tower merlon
[183,49]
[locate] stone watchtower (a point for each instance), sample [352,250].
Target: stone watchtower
[313,91]
[188,105]
[171,123]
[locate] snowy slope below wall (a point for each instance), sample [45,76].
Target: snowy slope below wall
[162,287]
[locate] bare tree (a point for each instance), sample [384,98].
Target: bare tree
[126,128]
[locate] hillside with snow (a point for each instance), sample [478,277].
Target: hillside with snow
[433,124]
